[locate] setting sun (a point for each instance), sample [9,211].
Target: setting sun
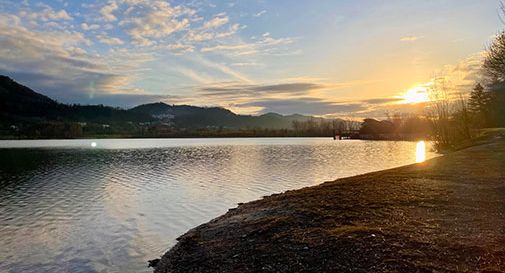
[214,136]
[416,95]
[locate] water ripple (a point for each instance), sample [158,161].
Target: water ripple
[71,208]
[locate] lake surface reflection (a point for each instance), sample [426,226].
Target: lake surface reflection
[66,206]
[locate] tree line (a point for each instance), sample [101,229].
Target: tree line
[454,117]
[323,127]
[457,122]
[396,127]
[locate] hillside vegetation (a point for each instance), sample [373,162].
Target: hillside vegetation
[25,113]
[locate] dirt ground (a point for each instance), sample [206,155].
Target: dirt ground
[443,215]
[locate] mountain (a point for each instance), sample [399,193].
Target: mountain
[187,115]
[19,103]
[197,117]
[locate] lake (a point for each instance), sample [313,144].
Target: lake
[110,205]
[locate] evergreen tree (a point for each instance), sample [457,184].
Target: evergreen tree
[479,99]
[479,104]
[494,69]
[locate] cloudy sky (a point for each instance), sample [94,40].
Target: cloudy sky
[325,57]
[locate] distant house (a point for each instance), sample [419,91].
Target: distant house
[164,116]
[408,129]
[375,128]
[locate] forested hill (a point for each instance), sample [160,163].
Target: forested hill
[198,117]
[18,101]
[21,105]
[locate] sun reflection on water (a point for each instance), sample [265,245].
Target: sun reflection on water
[420,151]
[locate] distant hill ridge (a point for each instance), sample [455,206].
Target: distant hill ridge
[19,103]
[195,117]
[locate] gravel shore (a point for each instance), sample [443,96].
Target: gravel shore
[444,215]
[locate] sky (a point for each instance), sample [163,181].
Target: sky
[331,58]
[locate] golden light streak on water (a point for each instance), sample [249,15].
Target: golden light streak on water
[420,151]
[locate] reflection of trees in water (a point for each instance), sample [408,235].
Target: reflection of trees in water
[15,161]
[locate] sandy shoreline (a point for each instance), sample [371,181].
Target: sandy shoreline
[444,215]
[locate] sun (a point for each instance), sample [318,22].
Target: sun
[416,94]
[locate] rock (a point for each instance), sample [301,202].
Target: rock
[153,263]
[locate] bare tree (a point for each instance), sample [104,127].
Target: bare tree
[439,113]
[449,116]
[462,118]
[494,62]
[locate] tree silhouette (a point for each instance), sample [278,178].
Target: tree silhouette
[494,69]
[479,104]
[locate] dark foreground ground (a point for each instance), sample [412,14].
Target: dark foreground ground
[444,215]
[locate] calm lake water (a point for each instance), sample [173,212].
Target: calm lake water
[111,205]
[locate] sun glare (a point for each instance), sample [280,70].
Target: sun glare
[416,95]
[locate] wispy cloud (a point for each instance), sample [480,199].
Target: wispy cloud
[109,40]
[219,54]
[259,14]
[227,47]
[222,68]
[312,106]
[382,100]
[156,20]
[266,45]
[107,11]
[45,14]
[256,90]
[246,64]
[59,64]
[411,38]
[216,22]
[86,27]
[461,77]
[62,53]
